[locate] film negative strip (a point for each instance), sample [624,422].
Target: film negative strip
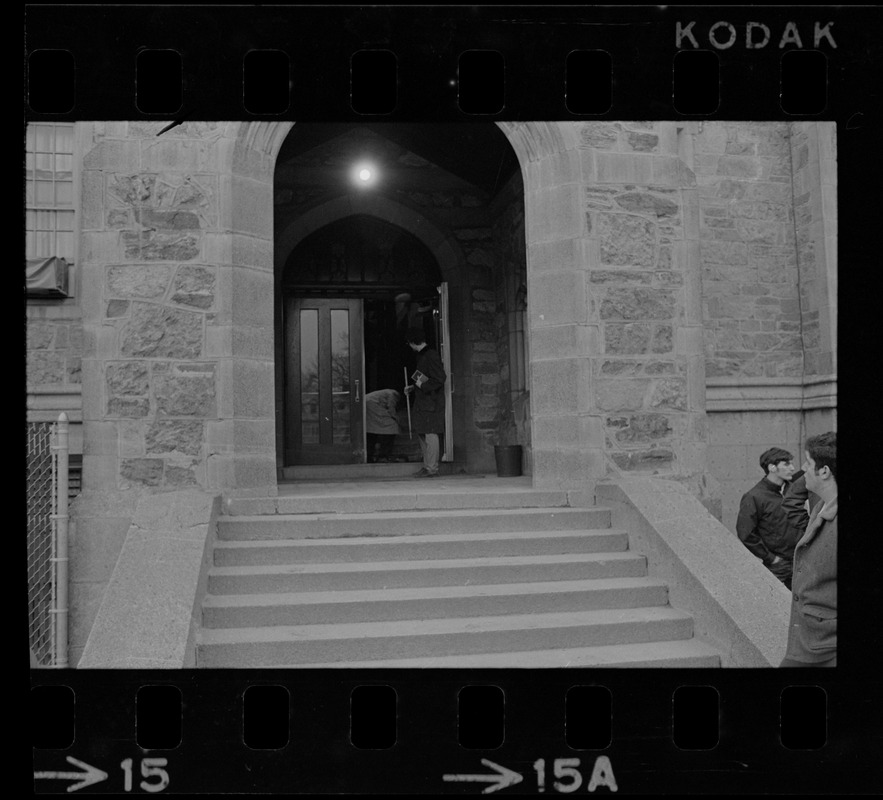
[444,727]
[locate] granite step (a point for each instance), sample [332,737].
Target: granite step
[281,578]
[376,605]
[683,653]
[307,645]
[306,526]
[427,495]
[416,547]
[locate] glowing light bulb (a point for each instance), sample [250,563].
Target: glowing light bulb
[363,174]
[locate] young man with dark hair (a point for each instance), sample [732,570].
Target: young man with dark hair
[812,631]
[762,524]
[428,389]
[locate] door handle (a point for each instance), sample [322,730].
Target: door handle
[357,391]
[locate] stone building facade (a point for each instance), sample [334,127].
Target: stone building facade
[635,298]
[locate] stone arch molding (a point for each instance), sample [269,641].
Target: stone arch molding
[446,253]
[530,140]
[257,139]
[257,144]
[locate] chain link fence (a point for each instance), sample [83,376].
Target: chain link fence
[41,542]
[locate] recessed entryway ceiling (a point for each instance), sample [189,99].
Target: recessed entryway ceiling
[410,155]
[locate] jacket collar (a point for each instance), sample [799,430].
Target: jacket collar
[819,516]
[765,481]
[829,511]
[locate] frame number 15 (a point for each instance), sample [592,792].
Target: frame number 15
[155,777]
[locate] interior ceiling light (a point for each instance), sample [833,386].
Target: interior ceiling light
[364,174]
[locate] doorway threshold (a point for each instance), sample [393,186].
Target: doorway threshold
[324,473]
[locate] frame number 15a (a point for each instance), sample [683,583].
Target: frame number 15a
[568,778]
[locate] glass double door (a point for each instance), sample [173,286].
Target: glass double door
[324,391]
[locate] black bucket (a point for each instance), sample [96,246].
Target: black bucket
[508,458]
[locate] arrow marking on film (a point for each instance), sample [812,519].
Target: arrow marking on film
[504,777]
[87,778]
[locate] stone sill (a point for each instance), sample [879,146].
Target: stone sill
[770,394]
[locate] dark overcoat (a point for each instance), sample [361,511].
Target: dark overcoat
[428,412]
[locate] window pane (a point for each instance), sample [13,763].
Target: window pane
[309,376]
[64,163]
[64,246]
[64,139]
[44,138]
[44,242]
[64,193]
[44,162]
[44,193]
[340,375]
[65,220]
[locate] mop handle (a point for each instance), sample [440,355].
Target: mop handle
[407,401]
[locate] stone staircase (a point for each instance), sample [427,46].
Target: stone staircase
[435,577]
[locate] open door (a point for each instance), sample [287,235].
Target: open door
[445,352]
[324,381]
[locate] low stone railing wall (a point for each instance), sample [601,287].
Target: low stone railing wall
[737,605]
[150,612]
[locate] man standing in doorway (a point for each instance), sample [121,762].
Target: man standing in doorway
[428,389]
[762,524]
[812,631]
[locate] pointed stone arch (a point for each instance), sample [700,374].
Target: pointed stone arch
[253,255]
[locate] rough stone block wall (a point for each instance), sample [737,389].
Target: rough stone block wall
[751,304]
[150,207]
[636,220]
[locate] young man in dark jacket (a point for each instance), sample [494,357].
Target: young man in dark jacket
[812,631]
[428,389]
[798,501]
[762,524]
